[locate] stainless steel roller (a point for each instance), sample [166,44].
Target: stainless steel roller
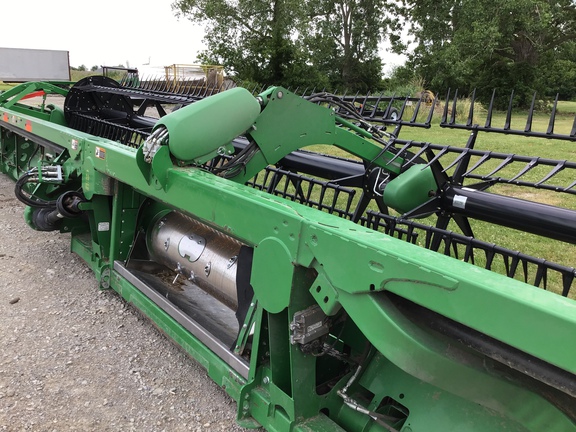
[206,257]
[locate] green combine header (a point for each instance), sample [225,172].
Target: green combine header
[321,292]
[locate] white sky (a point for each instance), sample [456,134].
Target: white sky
[102,32]
[107,32]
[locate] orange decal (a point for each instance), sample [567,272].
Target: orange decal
[5,117]
[28,126]
[100,153]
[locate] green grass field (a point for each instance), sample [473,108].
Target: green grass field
[537,246]
[567,107]
[4,86]
[534,245]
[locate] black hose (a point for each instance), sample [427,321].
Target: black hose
[27,197]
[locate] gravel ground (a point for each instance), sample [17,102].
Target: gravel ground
[77,358]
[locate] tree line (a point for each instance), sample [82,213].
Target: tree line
[525,45]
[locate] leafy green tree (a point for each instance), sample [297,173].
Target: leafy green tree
[559,74]
[249,37]
[485,44]
[294,42]
[342,38]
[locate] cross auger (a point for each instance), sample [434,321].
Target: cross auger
[343,291]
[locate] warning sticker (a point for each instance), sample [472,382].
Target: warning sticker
[100,153]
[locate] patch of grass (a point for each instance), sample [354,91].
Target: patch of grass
[510,238]
[531,244]
[567,107]
[4,86]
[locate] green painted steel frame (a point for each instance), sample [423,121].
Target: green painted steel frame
[297,242]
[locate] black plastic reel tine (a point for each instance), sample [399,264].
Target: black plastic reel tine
[471,112]
[567,279]
[513,266]
[527,167]
[550,129]
[299,189]
[462,155]
[373,113]
[464,160]
[428,239]
[402,150]
[410,235]
[354,98]
[391,142]
[528,127]
[179,86]
[483,159]
[390,227]
[525,268]
[469,253]
[363,108]
[455,250]
[309,194]
[431,112]
[488,123]
[389,107]
[333,205]
[416,110]
[445,112]
[447,244]
[348,207]
[506,260]
[573,131]
[436,157]
[541,276]
[189,88]
[157,84]
[199,90]
[453,115]
[569,187]
[559,167]
[509,159]
[509,112]
[403,108]
[489,253]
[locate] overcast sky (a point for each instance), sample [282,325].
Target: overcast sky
[102,32]
[105,32]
